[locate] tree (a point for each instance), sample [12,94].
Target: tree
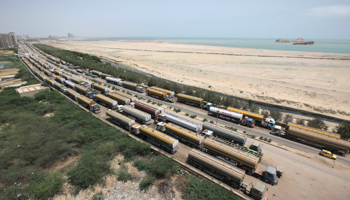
[317,123]
[276,115]
[288,118]
[301,122]
[344,130]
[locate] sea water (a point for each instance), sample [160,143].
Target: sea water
[327,46]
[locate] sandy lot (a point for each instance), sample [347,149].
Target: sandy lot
[305,80]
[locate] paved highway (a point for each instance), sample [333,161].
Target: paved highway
[203,114]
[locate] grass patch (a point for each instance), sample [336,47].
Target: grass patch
[123,174]
[146,182]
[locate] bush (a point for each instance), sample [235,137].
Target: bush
[123,174]
[288,118]
[265,113]
[205,119]
[276,115]
[146,182]
[244,131]
[149,100]
[98,196]
[344,130]
[142,165]
[253,136]
[270,140]
[187,114]
[199,189]
[261,137]
[211,122]
[317,123]
[45,185]
[193,116]
[301,122]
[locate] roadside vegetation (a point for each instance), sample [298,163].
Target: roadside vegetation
[344,130]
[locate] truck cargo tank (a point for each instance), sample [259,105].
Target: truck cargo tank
[76,80]
[183,134]
[225,133]
[120,99]
[72,94]
[246,113]
[100,88]
[116,81]
[184,123]
[315,130]
[234,115]
[108,101]
[120,118]
[169,141]
[137,113]
[188,98]
[168,92]
[133,99]
[70,84]
[145,107]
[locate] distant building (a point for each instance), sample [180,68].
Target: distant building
[8,40]
[70,35]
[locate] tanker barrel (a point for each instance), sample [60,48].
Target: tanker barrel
[167,140]
[137,113]
[193,126]
[237,116]
[120,118]
[225,133]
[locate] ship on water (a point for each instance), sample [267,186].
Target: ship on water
[300,41]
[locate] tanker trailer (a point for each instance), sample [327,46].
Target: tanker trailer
[88,103]
[121,120]
[335,135]
[159,95]
[169,92]
[108,102]
[140,116]
[332,144]
[226,134]
[66,76]
[120,99]
[60,79]
[72,94]
[191,100]
[60,87]
[47,72]
[155,137]
[231,155]
[50,82]
[225,114]
[84,91]
[132,86]
[219,169]
[70,84]
[116,81]
[183,135]
[96,72]
[191,125]
[103,76]
[76,80]
[102,89]
[154,111]
[133,99]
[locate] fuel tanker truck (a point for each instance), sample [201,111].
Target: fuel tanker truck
[102,89]
[121,100]
[104,76]
[159,95]
[89,103]
[47,72]
[335,135]
[72,94]
[132,86]
[84,91]
[226,134]
[59,79]
[150,109]
[155,137]
[225,114]
[133,99]
[332,144]
[170,93]
[57,72]
[76,80]
[49,81]
[116,81]
[250,118]
[66,76]
[219,169]
[43,77]
[191,125]
[138,115]
[120,120]
[96,72]
[59,87]
[191,100]
[108,102]
[69,83]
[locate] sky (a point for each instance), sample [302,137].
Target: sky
[312,19]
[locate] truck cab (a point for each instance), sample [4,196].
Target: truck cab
[248,122]
[269,123]
[270,175]
[208,105]
[256,146]
[135,129]
[161,126]
[91,95]
[95,109]
[276,130]
[258,191]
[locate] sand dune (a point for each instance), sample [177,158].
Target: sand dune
[311,81]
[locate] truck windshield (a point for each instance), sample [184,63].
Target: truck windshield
[96,107]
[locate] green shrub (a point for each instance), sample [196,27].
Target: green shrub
[142,165]
[253,136]
[199,189]
[261,137]
[123,174]
[344,130]
[211,122]
[317,123]
[187,114]
[205,119]
[98,196]
[193,116]
[45,185]
[270,140]
[149,100]
[162,166]
[146,182]
[244,131]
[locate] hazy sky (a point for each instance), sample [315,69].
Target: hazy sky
[316,19]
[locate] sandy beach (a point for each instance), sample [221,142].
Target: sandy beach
[317,82]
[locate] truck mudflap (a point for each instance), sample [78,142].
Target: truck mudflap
[265,197]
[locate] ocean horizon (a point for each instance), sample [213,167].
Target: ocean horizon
[326,46]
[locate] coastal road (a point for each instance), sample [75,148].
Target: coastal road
[203,114]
